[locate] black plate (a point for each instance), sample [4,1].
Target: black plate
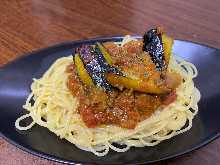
[16,77]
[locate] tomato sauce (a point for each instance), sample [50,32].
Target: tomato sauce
[123,108]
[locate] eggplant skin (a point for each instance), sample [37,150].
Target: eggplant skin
[154,46]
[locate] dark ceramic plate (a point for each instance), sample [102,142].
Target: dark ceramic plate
[16,77]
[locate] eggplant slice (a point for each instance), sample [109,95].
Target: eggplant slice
[154,46]
[95,66]
[82,72]
[157,47]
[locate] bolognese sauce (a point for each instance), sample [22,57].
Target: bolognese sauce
[125,107]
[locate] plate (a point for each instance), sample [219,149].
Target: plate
[16,77]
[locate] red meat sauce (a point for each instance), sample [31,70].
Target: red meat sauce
[124,108]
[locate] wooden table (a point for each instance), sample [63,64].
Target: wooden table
[27,25]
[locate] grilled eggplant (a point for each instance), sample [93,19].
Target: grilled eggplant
[144,72]
[159,47]
[105,60]
[105,53]
[136,84]
[82,72]
[154,46]
[92,65]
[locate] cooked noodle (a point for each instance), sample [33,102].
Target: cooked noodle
[55,107]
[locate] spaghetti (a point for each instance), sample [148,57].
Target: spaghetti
[55,107]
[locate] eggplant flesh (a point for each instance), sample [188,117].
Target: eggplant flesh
[154,46]
[82,72]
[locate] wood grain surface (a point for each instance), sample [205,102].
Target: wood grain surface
[27,25]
